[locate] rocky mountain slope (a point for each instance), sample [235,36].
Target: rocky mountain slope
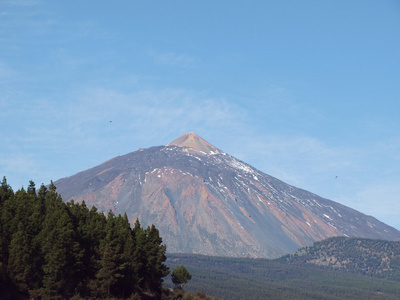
[208,202]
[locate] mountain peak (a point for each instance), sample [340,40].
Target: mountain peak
[209,203]
[195,142]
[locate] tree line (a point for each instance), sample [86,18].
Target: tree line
[50,249]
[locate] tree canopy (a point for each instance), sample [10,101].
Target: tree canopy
[53,249]
[180,276]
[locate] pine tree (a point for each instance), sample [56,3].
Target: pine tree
[23,208]
[34,227]
[126,284]
[31,188]
[62,254]
[6,191]
[21,253]
[111,261]
[180,275]
[94,232]
[81,271]
[108,274]
[6,196]
[20,259]
[139,260]
[42,193]
[7,212]
[155,252]
[59,248]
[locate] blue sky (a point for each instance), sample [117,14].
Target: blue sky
[302,90]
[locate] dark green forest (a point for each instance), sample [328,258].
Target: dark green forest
[50,249]
[378,258]
[246,278]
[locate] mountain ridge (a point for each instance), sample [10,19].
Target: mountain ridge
[377,258]
[211,203]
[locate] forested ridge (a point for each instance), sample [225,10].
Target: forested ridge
[50,249]
[377,258]
[246,278]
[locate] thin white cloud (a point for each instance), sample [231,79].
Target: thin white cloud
[20,2]
[100,120]
[379,199]
[283,153]
[16,162]
[6,72]
[390,147]
[19,168]
[171,59]
[154,115]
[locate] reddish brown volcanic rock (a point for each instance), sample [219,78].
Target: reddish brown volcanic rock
[205,201]
[193,141]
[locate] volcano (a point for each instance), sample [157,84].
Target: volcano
[206,201]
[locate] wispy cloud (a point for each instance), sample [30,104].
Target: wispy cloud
[19,167]
[171,59]
[288,154]
[95,119]
[390,147]
[154,114]
[6,72]
[380,198]
[20,2]
[20,13]
[376,198]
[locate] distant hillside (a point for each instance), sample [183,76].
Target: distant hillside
[246,278]
[365,256]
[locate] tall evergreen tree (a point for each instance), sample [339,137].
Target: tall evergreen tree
[180,275]
[83,268]
[42,192]
[6,196]
[20,259]
[139,257]
[34,228]
[23,208]
[111,261]
[7,212]
[94,232]
[6,191]
[155,252]
[59,248]
[31,188]
[126,284]
[108,273]
[61,253]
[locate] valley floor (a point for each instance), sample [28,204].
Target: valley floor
[242,278]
